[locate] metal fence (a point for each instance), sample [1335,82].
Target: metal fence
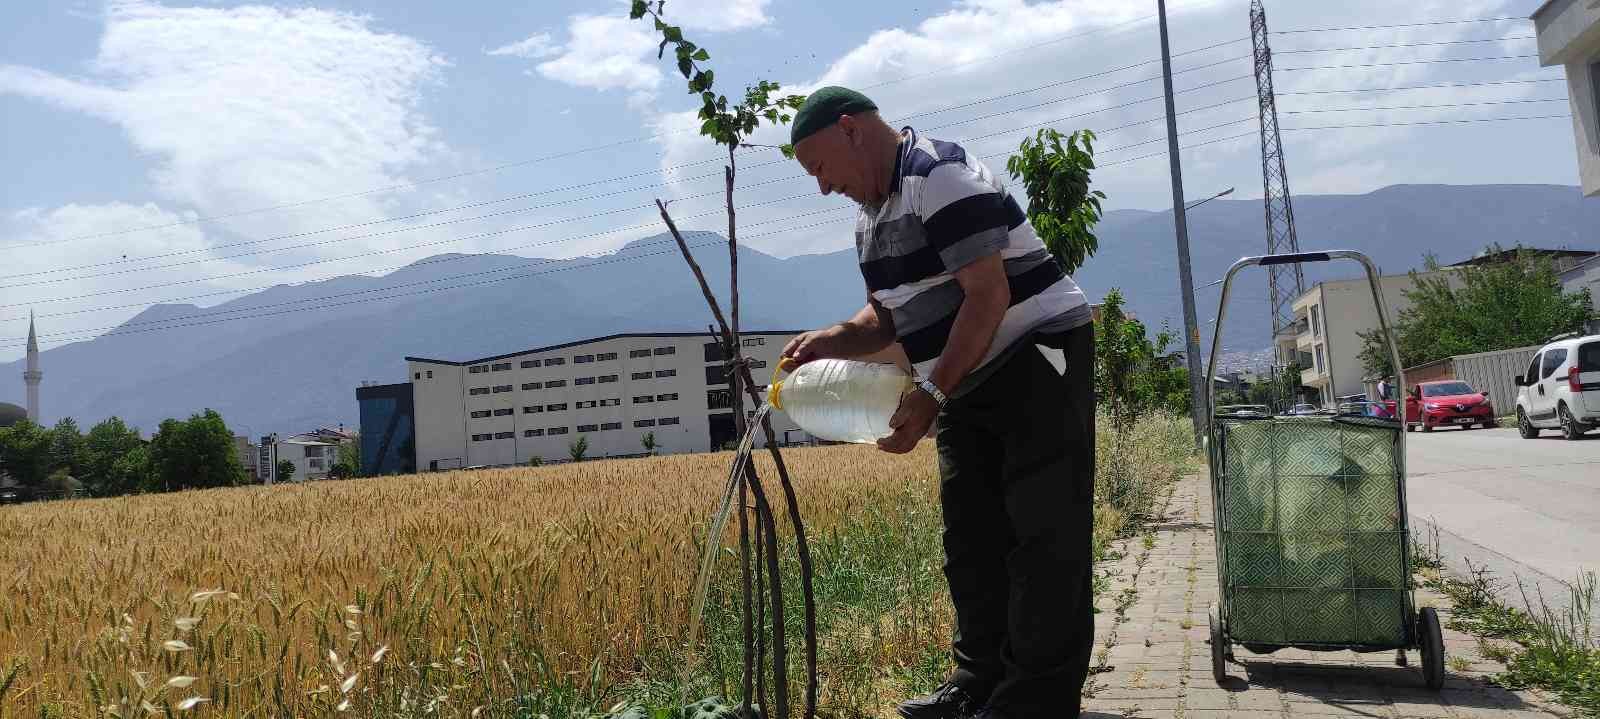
[1495,373]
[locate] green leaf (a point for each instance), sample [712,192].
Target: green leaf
[783,118]
[702,55]
[640,7]
[708,127]
[685,67]
[673,33]
[661,50]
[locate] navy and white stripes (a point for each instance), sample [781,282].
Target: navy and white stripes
[944,211]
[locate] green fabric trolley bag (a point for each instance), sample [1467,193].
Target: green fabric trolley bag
[1313,544]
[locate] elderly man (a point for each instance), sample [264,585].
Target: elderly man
[1001,341]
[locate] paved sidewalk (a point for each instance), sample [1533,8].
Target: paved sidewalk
[1153,658]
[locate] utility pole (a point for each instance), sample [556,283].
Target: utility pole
[1199,385]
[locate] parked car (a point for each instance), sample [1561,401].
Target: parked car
[1561,389]
[1302,410]
[1245,410]
[1364,408]
[1447,403]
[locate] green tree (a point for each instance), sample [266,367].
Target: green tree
[1061,207]
[1500,305]
[648,441]
[67,448]
[25,453]
[1120,348]
[349,455]
[130,473]
[284,470]
[193,453]
[1163,380]
[106,446]
[578,448]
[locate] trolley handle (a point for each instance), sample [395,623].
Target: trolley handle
[1293,258]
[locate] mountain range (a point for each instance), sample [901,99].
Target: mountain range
[289,358]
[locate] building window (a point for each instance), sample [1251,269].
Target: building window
[478,369]
[644,423]
[502,388]
[1594,82]
[664,421]
[478,390]
[430,374]
[758,364]
[716,374]
[1316,321]
[503,412]
[605,356]
[608,426]
[612,402]
[714,352]
[530,364]
[669,397]
[555,407]
[482,437]
[719,398]
[313,464]
[1319,360]
[533,433]
[643,399]
[666,373]
[636,354]
[552,384]
[480,414]
[582,359]
[607,378]
[554,361]
[641,375]
[666,351]
[556,430]
[583,380]
[417,376]
[501,366]
[588,428]
[532,409]
[504,435]
[586,404]
[755,341]
[531,385]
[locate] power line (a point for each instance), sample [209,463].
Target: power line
[1405,45]
[1399,25]
[492,214]
[1425,107]
[1445,85]
[1407,62]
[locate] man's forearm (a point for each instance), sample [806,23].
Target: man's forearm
[862,334]
[970,336]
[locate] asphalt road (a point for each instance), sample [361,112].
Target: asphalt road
[1529,510]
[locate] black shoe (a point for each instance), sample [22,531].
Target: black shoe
[949,701]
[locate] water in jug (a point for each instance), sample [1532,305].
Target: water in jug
[840,400]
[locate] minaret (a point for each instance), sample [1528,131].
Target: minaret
[32,375]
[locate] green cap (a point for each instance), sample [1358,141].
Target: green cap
[823,108]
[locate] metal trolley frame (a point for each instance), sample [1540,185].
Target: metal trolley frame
[1319,604]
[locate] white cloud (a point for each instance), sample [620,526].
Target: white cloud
[718,15]
[606,53]
[535,46]
[71,222]
[254,106]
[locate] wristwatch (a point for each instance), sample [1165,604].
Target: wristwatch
[933,391]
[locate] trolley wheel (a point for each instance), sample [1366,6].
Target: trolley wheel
[1432,641]
[1219,646]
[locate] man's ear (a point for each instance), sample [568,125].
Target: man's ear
[847,124]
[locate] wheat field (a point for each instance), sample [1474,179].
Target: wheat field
[532,592]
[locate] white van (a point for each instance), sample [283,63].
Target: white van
[1561,389]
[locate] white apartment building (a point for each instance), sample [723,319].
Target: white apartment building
[1569,35]
[1325,339]
[508,409]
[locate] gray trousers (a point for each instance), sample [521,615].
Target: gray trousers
[1016,464]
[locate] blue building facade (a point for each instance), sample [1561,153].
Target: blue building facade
[388,429]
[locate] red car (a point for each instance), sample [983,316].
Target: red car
[1447,403]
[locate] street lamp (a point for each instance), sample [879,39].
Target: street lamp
[1223,193]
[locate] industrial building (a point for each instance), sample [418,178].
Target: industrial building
[613,390]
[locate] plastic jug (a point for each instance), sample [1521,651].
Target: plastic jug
[840,400]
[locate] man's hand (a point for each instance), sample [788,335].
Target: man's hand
[910,422]
[807,346]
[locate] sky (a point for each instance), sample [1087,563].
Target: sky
[173,153]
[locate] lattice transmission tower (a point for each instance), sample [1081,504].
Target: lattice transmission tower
[1285,282]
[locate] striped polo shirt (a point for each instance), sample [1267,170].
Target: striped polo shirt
[945,210]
